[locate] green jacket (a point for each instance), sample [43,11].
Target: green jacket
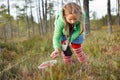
[59,29]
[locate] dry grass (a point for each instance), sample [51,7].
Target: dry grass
[101,48]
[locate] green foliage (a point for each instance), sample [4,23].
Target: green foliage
[7,17]
[9,46]
[2,25]
[38,44]
[98,23]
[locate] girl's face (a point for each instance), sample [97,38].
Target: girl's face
[71,18]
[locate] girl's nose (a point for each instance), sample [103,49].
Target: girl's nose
[72,21]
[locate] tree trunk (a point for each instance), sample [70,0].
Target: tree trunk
[8,6]
[40,27]
[51,22]
[10,22]
[109,17]
[18,30]
[118,14]
[4,33]
[43,12]
[38,15]
[87,21]
[46,16]
[27,21]
[50,12]
[32,19]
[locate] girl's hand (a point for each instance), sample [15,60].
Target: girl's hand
[68,42]
[55,53]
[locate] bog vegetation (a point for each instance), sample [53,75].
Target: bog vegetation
[20,57]
[25,44]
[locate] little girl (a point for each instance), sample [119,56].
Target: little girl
[69,29]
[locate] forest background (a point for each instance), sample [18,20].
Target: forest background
[26,41]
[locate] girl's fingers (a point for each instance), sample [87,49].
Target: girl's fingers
[54,54]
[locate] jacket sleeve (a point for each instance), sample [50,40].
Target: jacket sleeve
[57,32]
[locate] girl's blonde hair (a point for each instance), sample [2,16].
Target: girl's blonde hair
[70,8]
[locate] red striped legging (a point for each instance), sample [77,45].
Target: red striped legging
[78,52]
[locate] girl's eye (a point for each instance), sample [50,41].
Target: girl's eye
[73,19]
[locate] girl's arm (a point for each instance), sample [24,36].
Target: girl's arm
[57,32]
